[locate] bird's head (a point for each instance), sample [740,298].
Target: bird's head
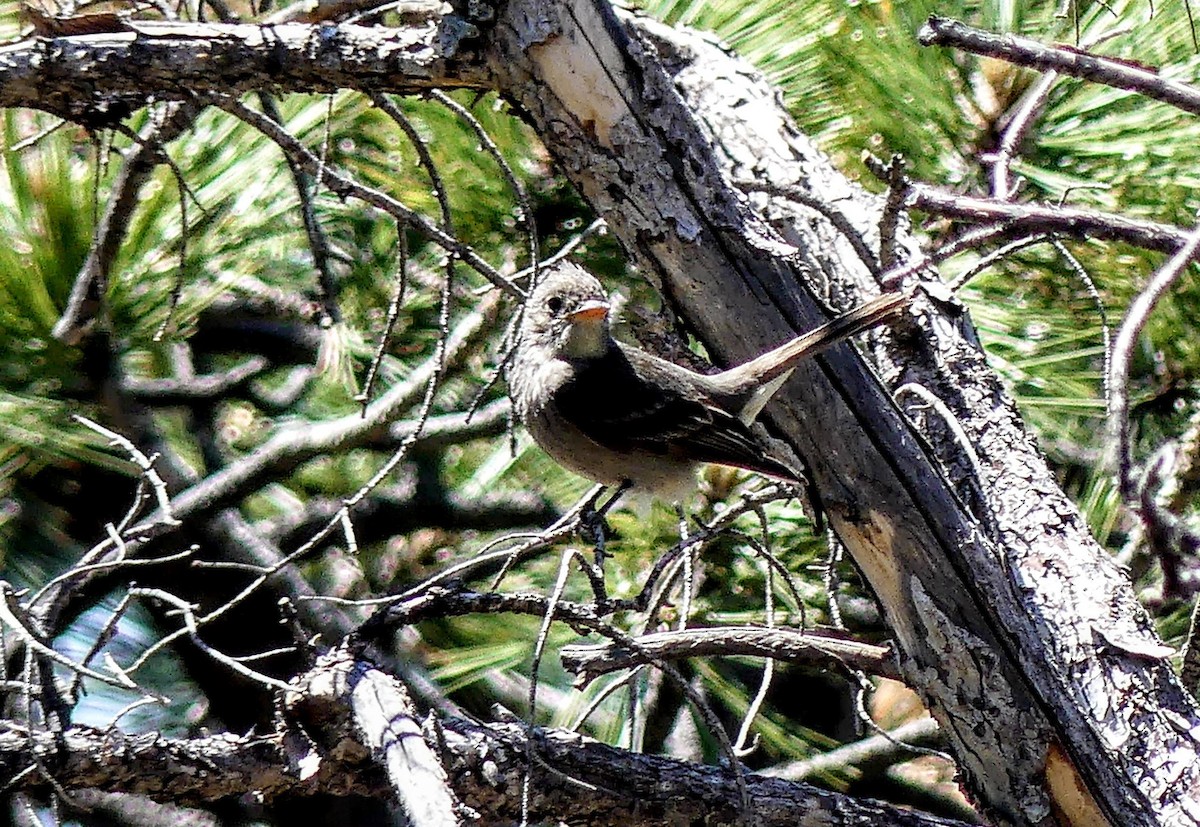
[568,313]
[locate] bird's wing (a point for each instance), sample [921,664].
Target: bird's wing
[633,401]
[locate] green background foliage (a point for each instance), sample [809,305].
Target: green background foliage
[854,77]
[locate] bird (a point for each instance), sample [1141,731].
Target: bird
[617,415]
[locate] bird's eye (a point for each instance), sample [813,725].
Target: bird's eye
[555,303]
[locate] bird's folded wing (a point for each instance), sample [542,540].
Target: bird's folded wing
[616,404]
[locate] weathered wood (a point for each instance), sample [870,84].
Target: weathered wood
[592,783]
[103,76]
[1020,632]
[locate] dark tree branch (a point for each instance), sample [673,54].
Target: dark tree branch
[1067,60]
[578,780]
[1030,219]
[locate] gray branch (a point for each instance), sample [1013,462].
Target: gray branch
[97,77]
[811,648]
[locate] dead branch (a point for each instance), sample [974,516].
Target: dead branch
[1023,219]
[1067,60]
[180,61]
[589,662]
[578,780]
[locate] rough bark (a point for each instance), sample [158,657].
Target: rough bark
[101,76]
[1019,630]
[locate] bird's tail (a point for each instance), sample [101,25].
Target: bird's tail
[766,373]
[867,315]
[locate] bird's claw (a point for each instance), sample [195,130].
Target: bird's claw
[593,522]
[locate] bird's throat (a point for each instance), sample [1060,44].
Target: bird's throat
[586,339]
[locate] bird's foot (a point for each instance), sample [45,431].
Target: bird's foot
[593,522]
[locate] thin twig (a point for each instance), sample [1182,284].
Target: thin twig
[977,477]
[1122,359]
[590,661]
[191,624]
[897,745]
[539,648]
[526,217]
[393,315]
[113,224]
[1094,293]
[1014,134]
[8,619]
[307,189]
[344,187]
[141,461]
[941,31]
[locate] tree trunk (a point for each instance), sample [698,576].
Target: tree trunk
[1020,632]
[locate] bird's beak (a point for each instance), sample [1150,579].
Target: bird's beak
[586,336]
[589,311]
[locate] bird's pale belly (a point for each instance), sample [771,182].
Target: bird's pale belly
[665,476]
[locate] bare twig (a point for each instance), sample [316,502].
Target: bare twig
[110,231]
[1127,338]
[306,191]
[1031,219]
[589,662]
[768,674]
[393,315]
[539,648]
[145,463]
[941,31]
[346,187]
[192,626]
[9,620]
[1018,127]
[896,745]
[966,450]
[965,277]
[525,218]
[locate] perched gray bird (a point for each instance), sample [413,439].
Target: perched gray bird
[618,415]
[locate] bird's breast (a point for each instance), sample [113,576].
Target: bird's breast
[668,476]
